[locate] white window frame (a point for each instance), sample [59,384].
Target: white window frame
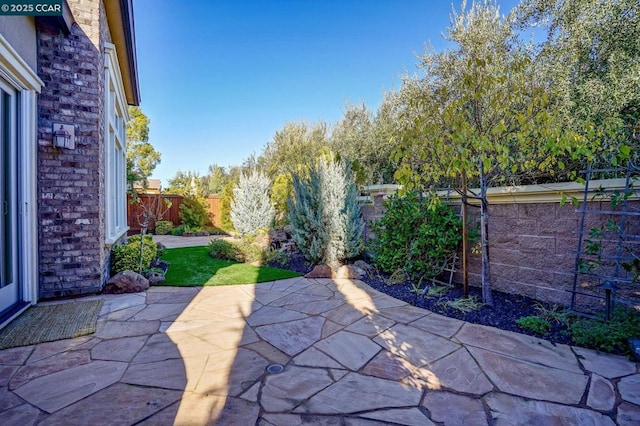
[16,72]
[116,117]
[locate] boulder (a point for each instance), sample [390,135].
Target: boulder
[349,272]
[126,282]
[320,271]
[278,237]
[367,268]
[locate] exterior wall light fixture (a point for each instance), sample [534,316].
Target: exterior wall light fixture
[64,136]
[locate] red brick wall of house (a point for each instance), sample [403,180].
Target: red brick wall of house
[73,258]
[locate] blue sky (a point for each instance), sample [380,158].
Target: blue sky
[218,78]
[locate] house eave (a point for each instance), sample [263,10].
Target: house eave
[122,28]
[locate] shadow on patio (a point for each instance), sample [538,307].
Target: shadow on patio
[201,355]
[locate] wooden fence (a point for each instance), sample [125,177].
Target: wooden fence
[214,203]
[156,203]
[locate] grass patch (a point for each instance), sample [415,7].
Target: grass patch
[192,266]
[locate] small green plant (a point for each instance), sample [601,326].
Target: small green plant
[398,277]
[164,227]
[188,229]
[213,230]
[535,324]
[607,336]
[436,291]
[222,249]
[127,257]
[554,313]
[463,304]
[178,230]
[276,257]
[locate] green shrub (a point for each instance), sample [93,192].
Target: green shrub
[415,236]
[251,252]
[213,230]
[276,257]
[164,227]
[222,249]
[126,257]
[193,213]
[536,324]
[608,336]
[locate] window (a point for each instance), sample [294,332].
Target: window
[116,117]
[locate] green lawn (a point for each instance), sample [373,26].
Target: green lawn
[192,266]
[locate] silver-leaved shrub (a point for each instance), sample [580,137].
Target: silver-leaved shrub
[325,215]
[251,208]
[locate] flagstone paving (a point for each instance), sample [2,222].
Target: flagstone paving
[349,355]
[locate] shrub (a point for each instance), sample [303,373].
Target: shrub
[245,251]
[222,249]
[536,324]
[126,257]
[416,236]
[251,253]
[251,208]
[164,227]
[324,213]
[609,336]
[178,230]
[213,230]
[193,212]
[276,257]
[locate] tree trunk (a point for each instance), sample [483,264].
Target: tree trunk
[487,297]
[465,237]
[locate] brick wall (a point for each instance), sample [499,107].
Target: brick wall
[72,255]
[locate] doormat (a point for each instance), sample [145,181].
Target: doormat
[47,323]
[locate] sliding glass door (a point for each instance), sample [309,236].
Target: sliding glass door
[9,287]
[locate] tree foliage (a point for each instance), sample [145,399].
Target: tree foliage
[480,111]
[294,147]
[365,140]
[324,213]
[591,56]
[142,157]
[187,184]
[251,208]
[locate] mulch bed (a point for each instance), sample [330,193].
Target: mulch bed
[504,314]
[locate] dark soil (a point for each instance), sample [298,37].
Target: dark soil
[507,308]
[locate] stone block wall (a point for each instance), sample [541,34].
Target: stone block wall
[71,205]
[533,249]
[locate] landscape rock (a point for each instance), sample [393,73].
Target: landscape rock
[367,268]
[156,278]
[320,271]
[126,282]
[349,272]
[278,236]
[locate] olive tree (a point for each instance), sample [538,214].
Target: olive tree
[479,112]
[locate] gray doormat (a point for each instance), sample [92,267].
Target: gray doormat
[47,323]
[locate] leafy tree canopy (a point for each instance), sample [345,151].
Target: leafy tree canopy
[142,157]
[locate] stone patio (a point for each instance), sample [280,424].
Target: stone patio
[351,356]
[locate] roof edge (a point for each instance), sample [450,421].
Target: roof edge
[122,28]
